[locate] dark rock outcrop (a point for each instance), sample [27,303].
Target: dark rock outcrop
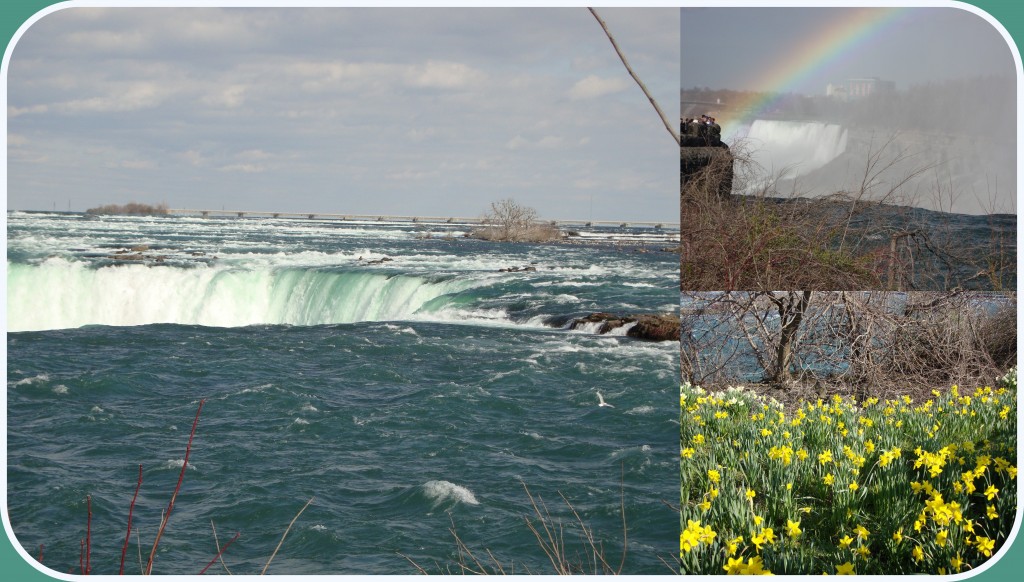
[704,157]
[658,328]
[651,327]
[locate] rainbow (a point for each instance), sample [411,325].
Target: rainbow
[842,37]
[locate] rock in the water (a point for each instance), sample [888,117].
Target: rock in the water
[658,328]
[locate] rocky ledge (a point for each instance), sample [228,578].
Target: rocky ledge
[657,328]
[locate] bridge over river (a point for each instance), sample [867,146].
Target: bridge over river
[406,218]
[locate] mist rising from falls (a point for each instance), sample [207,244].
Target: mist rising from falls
[791,149]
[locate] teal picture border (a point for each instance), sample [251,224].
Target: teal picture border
[1010,13]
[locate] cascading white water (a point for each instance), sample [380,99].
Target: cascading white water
[795,148]
[60,294]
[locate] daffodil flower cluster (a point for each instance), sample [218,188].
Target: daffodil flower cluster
[875,487]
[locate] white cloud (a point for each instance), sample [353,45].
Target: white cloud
[246,168]
[13,111]
[134,164]
[193,157]
[231,96]
[253,155]
[549,142]
[122,97]
[593,86]
[443,75]
[517,142]
[545,143]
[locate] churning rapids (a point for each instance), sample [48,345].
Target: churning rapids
[406,377]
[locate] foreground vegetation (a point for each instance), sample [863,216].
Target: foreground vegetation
[768,235]
[840,487]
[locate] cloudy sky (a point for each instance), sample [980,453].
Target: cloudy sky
[389,111]
[731,48]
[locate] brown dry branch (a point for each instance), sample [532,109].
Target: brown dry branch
[88,535]
[643,87]
[177,487]
[868,343]
[220,553]
[264,571]
[131,511]
[871,237]
[550,534]
[216,543]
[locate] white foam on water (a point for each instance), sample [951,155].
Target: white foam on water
[177,464]
[60,389]
[641,410]
[300,421]
[309,408]
[500,375]
[622,330]
[440,491]
[589,327]
[96,410]
[33,380]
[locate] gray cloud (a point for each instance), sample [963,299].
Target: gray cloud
[344,110]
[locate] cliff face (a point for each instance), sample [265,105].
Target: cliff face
[704,159]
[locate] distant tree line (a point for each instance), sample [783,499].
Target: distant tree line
[132,208]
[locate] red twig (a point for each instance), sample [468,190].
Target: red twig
[131,509]
[40,560]
[221,552]
[170,505]
[88,534]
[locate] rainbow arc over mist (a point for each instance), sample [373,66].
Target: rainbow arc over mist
[828,46]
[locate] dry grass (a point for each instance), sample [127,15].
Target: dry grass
[569,547]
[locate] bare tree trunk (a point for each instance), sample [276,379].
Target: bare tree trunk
[792,306]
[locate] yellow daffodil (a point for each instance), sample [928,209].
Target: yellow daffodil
[733,566]
[956,562]
[845,569]
[991,492]
[984,545]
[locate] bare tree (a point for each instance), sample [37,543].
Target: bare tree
[869,343]
[510,221]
